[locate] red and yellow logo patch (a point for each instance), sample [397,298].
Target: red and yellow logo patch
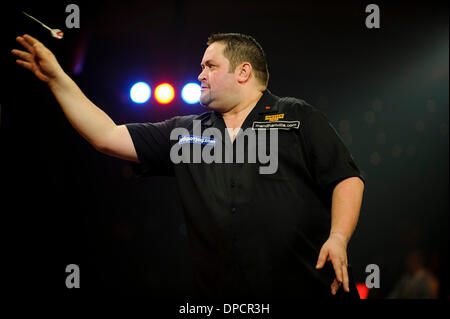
[275,117]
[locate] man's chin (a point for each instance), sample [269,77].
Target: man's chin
[210,105]
[205,101]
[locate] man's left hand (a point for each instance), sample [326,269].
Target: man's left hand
[335,250]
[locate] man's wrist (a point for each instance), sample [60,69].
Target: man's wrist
[341,236]
[58,81]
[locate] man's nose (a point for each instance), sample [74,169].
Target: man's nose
[201,76]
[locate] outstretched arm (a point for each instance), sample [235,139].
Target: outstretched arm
[89,120]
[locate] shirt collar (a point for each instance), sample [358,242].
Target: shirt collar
[266,104]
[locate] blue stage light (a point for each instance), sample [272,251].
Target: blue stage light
[140,92]
[191,93]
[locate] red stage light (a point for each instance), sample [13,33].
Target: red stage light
[362,290]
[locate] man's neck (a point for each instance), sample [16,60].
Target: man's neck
[235,117]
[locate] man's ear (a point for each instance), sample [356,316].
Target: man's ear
[244,71]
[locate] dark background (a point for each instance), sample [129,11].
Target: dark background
[385,91]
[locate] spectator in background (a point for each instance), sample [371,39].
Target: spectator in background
[418,282]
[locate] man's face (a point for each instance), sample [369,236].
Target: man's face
[219,87]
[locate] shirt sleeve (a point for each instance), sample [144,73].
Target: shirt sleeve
[331,160]
[152,144]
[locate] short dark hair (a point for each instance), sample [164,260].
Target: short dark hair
[243,48]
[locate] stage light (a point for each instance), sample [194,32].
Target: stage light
[164,93]
[363,291]
[191,93]
[140,92]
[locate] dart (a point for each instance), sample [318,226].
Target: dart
[56,33]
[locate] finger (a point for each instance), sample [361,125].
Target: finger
[335,286]
[337,269]
[322,259]
[23,55]
[30,40]
[33,42]
[24,43]
[26,65]
[345,277]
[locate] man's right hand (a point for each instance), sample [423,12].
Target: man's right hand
[38,59]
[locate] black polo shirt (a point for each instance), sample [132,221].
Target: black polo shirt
[252,234]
